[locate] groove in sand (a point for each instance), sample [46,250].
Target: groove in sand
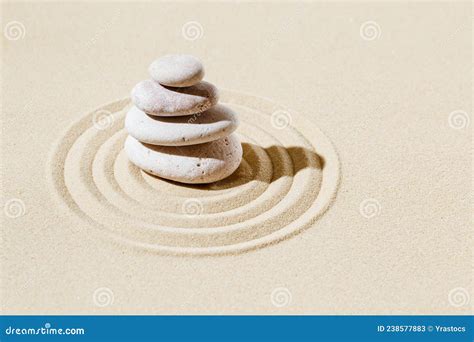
[287,179]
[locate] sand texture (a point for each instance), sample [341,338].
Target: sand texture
[354,194]
[279,188]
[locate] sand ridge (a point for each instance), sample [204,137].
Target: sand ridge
[288,177]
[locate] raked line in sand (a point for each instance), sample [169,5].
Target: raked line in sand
[288,177]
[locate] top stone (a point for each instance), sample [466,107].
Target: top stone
[177,70]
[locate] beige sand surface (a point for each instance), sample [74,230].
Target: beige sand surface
[354,195]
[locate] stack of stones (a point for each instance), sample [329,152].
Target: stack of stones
[176,128]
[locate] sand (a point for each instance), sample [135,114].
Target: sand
[353,196]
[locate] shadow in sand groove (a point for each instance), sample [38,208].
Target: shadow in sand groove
[282,162]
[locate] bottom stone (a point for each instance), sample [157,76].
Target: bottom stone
[194,164]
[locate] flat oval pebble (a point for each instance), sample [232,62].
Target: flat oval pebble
[195,164]
[177,70]
[212,124]
[155,99]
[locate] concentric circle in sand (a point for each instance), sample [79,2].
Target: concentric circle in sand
[288,177]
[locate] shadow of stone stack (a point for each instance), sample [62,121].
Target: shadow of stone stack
[176,128]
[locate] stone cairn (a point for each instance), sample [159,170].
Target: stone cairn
[176,129]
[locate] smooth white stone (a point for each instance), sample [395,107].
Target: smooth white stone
[155,99]
[215,123]
[177,70]
[195,164]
